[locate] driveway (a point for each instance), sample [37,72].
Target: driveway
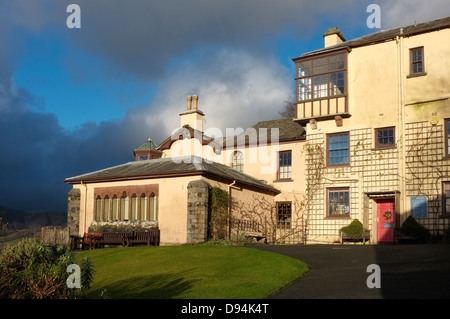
[341,271]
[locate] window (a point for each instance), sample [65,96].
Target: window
[238,161]
[285,165]
[446,198]
[417,66]
[385,137]
[338,202]
[284,214]
[338,149]
[447,136]
[321,77]
[143,157]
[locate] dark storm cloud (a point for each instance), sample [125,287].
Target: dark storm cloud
[144,36]
[37,154]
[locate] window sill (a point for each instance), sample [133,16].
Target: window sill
[337,165]
[415,75]
[283,180]
[338,217]
[384,148]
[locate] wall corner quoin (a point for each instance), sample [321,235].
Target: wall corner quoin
[197,211]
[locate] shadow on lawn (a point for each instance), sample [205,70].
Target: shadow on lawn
[159,286]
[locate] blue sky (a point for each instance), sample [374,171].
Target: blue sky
[77,100]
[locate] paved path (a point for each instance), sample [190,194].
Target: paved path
[340,271]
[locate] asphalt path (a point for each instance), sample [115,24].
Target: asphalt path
[344,271]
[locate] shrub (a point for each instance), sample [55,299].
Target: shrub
[354,230]
[411,227]
[29,269]
[219,213]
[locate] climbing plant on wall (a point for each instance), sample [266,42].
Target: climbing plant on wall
[219,213]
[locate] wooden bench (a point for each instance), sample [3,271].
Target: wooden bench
[114,238]
[150,237]
[400,237]
[364,237]
[100,240]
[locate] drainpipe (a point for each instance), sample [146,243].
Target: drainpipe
[401,119]
[85,206]
[229,208]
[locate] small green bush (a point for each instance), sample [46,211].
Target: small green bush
[354,230]
[31,270]
[411,227]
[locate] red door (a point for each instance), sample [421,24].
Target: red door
[385,220]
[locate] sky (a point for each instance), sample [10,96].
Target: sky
[75,100]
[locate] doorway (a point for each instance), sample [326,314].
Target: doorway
[385,220]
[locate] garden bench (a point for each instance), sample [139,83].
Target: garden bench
[400,237]
[114,238]
[149,237]
[364,237]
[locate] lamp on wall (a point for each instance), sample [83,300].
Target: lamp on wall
[434,121]
[313,124]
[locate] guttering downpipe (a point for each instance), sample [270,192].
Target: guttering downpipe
[229,208]
[85,206]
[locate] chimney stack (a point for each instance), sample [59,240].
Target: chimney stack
[333,36]
[193,117]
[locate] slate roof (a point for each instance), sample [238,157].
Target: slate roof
[172,167]
[386,35]
[288,130]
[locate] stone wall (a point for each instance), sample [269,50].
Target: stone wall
[197,211]
[55,235]
[73,212]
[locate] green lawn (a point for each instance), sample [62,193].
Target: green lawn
[190,272]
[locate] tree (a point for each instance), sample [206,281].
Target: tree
[289,109]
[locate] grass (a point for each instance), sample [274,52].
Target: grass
[190,272]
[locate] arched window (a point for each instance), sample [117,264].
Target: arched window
[153,207]
[107,210]
[115,207]
[143,207]
[124,207]
[238,161]
[98,209]
[134,208]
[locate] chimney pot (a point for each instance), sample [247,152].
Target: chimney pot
[189,102]
[195,98]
